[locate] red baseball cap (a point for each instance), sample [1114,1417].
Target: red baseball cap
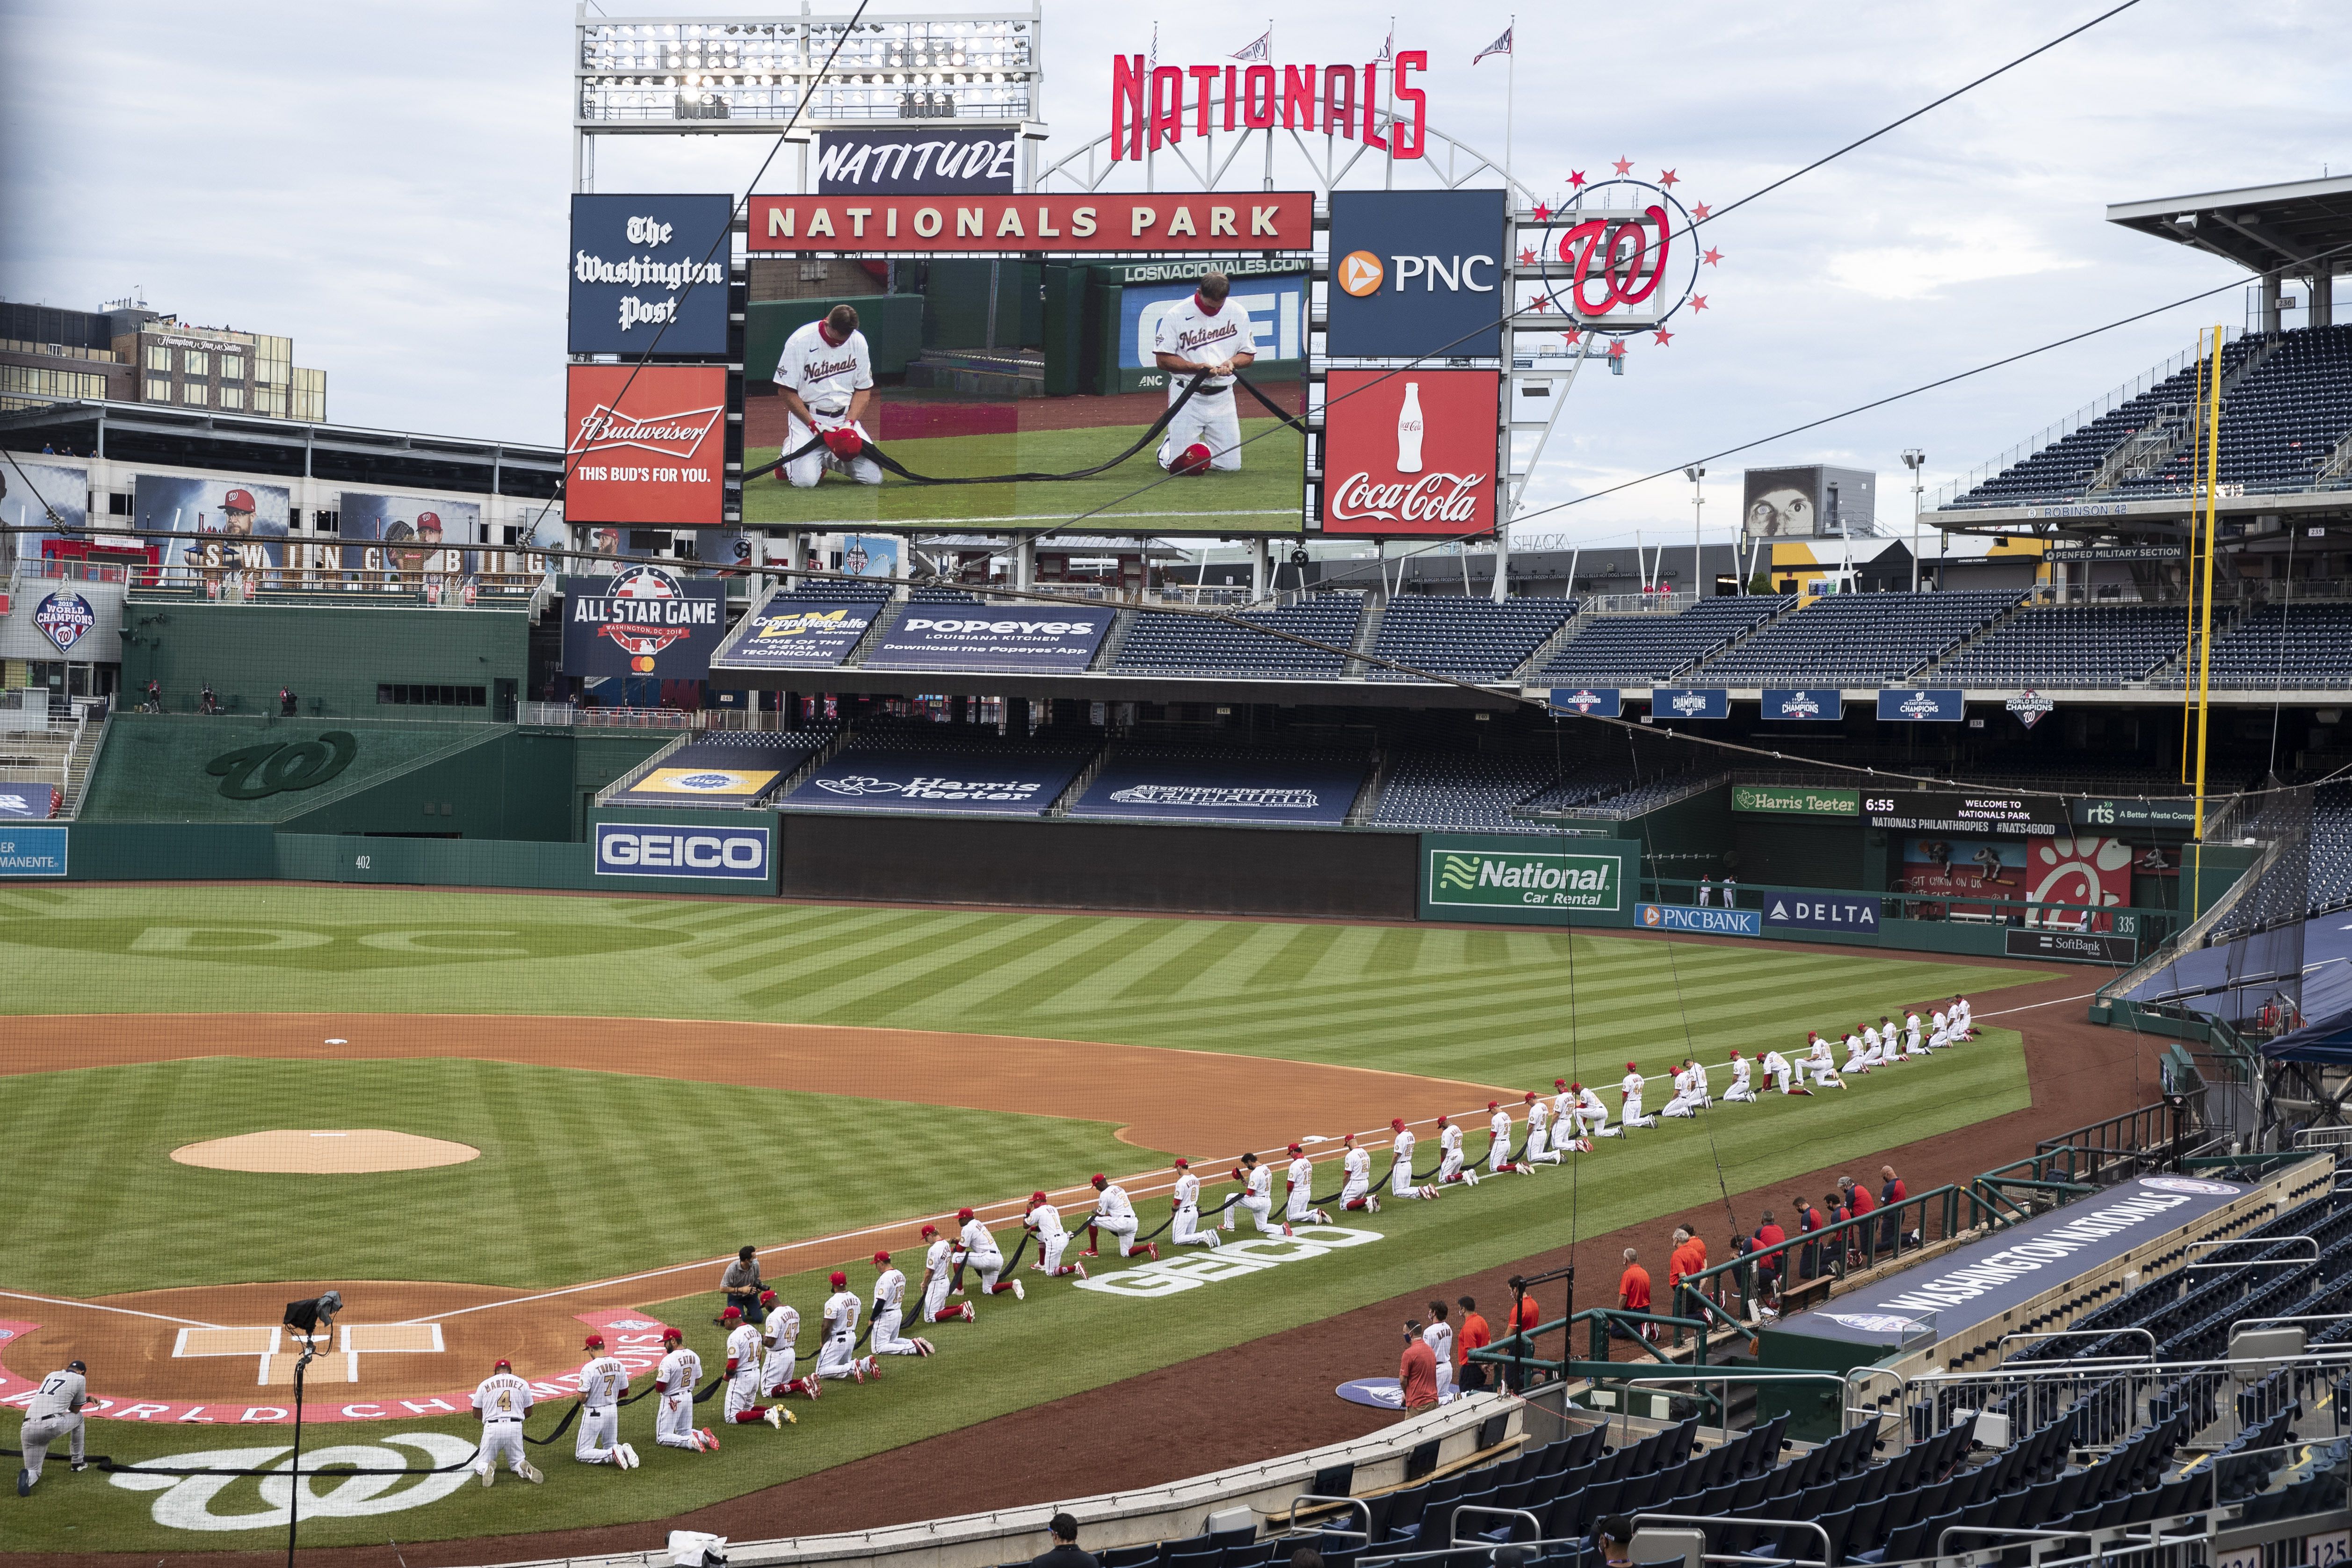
[1397,1122]
[1182,1164]
[1098,1179]
[1530,1096]
[881,1257]
[736,1313]
[1493,1104]
[238,501]
[1294,1149]
[673,1336]
[963,1214]
[1560,1082]
[1631,1068]
[1441,1122]
[596,1341]
[767,1298]
[837,1279]
[503,1365]
[930,1230]
[1035,1198]
[428,520]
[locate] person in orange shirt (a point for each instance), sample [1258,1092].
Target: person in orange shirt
[1688,1257]
[1633,1296]
[1523,1320]
[1417,1372]
[1474,1334]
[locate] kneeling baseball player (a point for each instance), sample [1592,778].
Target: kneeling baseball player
[1298,1191]
[1498,1143]
[674,1382]
[1204,340]
[1450,1167]
[744,1406]
[938,1267]
[1114,1212]
[1539,1150]
[1401,1182]
[1043,1221]
[501,1400]
[1356,1190]
[55,1412]
[837,1350]
[1185,1204]
[890,1311]
[782,1332]
[825,376]
[1256,1196]
[602,1382]
[981,1252]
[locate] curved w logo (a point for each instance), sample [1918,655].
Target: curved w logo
[1458,871]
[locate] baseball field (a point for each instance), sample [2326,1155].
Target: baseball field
[625,1090]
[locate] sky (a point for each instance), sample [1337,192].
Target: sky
[387,186]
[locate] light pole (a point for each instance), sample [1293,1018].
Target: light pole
[1698,499]
[1913,459]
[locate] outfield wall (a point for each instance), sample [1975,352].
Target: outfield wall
[334,657]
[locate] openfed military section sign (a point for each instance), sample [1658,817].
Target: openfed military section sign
[1523,880]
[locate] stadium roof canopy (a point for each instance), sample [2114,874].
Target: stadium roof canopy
[2263,228]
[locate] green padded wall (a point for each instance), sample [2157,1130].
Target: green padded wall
[334,657]
[154,768]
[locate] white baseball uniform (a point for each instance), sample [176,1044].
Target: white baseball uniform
[1777,1069]
[1914,1042]
[1705,1089]
[1942,1036]
[938,1266]
[1967,1022]
[602,1382]
[1449,1151]
[1498,1135]
[1184,1230]
[1593,1116]
[502,1400]
[1684,1102]
[825,375]
[1052,1238]
[1357,1165]
[1540,1132]
[1298,1208]
[1257,1197]
[1741,1089]
[1211,417]
[889,1313]
[1854,1060]
[1631,1088]
[780,1330]
[675,1379]
[1439,1337]
[742,1372]
[1401,1175]
[55,1412]
[980,1252]
[836,1356]
[1115,1213]
[1824,1065]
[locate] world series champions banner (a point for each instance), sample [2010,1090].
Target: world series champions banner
[643,621]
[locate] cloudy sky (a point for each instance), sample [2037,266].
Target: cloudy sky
[387,185]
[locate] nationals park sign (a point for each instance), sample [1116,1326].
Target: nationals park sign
[1526,880]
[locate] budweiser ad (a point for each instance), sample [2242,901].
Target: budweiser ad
[650,454]
[1410,452]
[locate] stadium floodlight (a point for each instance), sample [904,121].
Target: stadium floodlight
[1915,459]
[1695,473]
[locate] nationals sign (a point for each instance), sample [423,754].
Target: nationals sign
[1165,221]
[653,454]
[1410,452]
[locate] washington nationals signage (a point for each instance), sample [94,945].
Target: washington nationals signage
[646,620]
[913,162]
[1152,106]
[64,617]
[936,225]
[1618,256]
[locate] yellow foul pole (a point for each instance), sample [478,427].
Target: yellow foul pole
[2205,615]
[2188,639]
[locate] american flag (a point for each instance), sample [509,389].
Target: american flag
[1388,45]
[1259,51]
[1501,46]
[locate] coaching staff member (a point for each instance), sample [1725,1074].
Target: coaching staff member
[741,1283]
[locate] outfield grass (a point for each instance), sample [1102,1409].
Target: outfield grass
[1063,1341]
[1263,495]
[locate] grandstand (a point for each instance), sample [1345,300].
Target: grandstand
[1857,639]
[2071,646]
[1466,638]
[2302,647]
[1159,643]
[1637,649]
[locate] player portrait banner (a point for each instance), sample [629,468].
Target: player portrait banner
[1194,790]
[1690,702]
[796,632]
[643,621]
[1410,454]
[1922,707]
[1165,221]
[1016,638]
[648,269]
[1417,272]
[647,444]
[233,531]
[1598,702]
[408,534]
[933,161]
[907,779]
[1810,707]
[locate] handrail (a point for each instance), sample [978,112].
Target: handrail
[1290,1518]
[2255,1263]
[1535,1525]
[1813,1525]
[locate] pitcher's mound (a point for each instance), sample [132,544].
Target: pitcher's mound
[325,1152]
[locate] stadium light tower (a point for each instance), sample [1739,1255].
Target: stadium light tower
[1699,501]
[1913,459]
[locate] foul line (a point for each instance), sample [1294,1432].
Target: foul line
[97,1307]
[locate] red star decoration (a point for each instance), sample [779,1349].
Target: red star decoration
[1541,212]
[1625,166]
[1699,212]
[1541,302]
[1698,301]
[1526,256]
[1573,337]
[1664,337]
[1667,178]
[1713,256]
[1617,348]
[1576,178]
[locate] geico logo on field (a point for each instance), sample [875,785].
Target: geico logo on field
[186,1501]
[1234,1260]
[1362,273]
[631,849]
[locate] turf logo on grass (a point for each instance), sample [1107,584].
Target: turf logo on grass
[1234,1260]
[335,946]
[1551,880]
[188,1502]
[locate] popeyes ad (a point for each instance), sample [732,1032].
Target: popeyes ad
[1410,452]
[646,444]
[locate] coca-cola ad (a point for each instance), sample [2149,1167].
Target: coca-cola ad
[647,444]
[1410,452]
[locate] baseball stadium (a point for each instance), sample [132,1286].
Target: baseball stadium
[996,915]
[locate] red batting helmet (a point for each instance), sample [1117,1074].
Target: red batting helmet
[238,501]
[596,1341]
[963,1214]
[837,1279]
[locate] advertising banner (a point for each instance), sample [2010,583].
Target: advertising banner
[2106,812]
[735,772]
[32,852]
[1526,880]
[1275,306]
[1690,702]
[1407,453]
[2070,946]
[643,621]
[28,802]
[930,162]
[911,779]
[235,533]
[1965,811]
[1603,703]
[1016,638]
[1922,707]
[1812,706]
[2088,874]
[1796,800]
[409,535]
[65,618]
[1415,273]
[42,501]
[668,849]
[1805,911]
[653,455]
[790,632]
[1165,221]
[1192,790]
[649,275]
[1699,918]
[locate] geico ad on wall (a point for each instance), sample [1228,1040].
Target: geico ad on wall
[647,451]
[1410,452]
[1416,272]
